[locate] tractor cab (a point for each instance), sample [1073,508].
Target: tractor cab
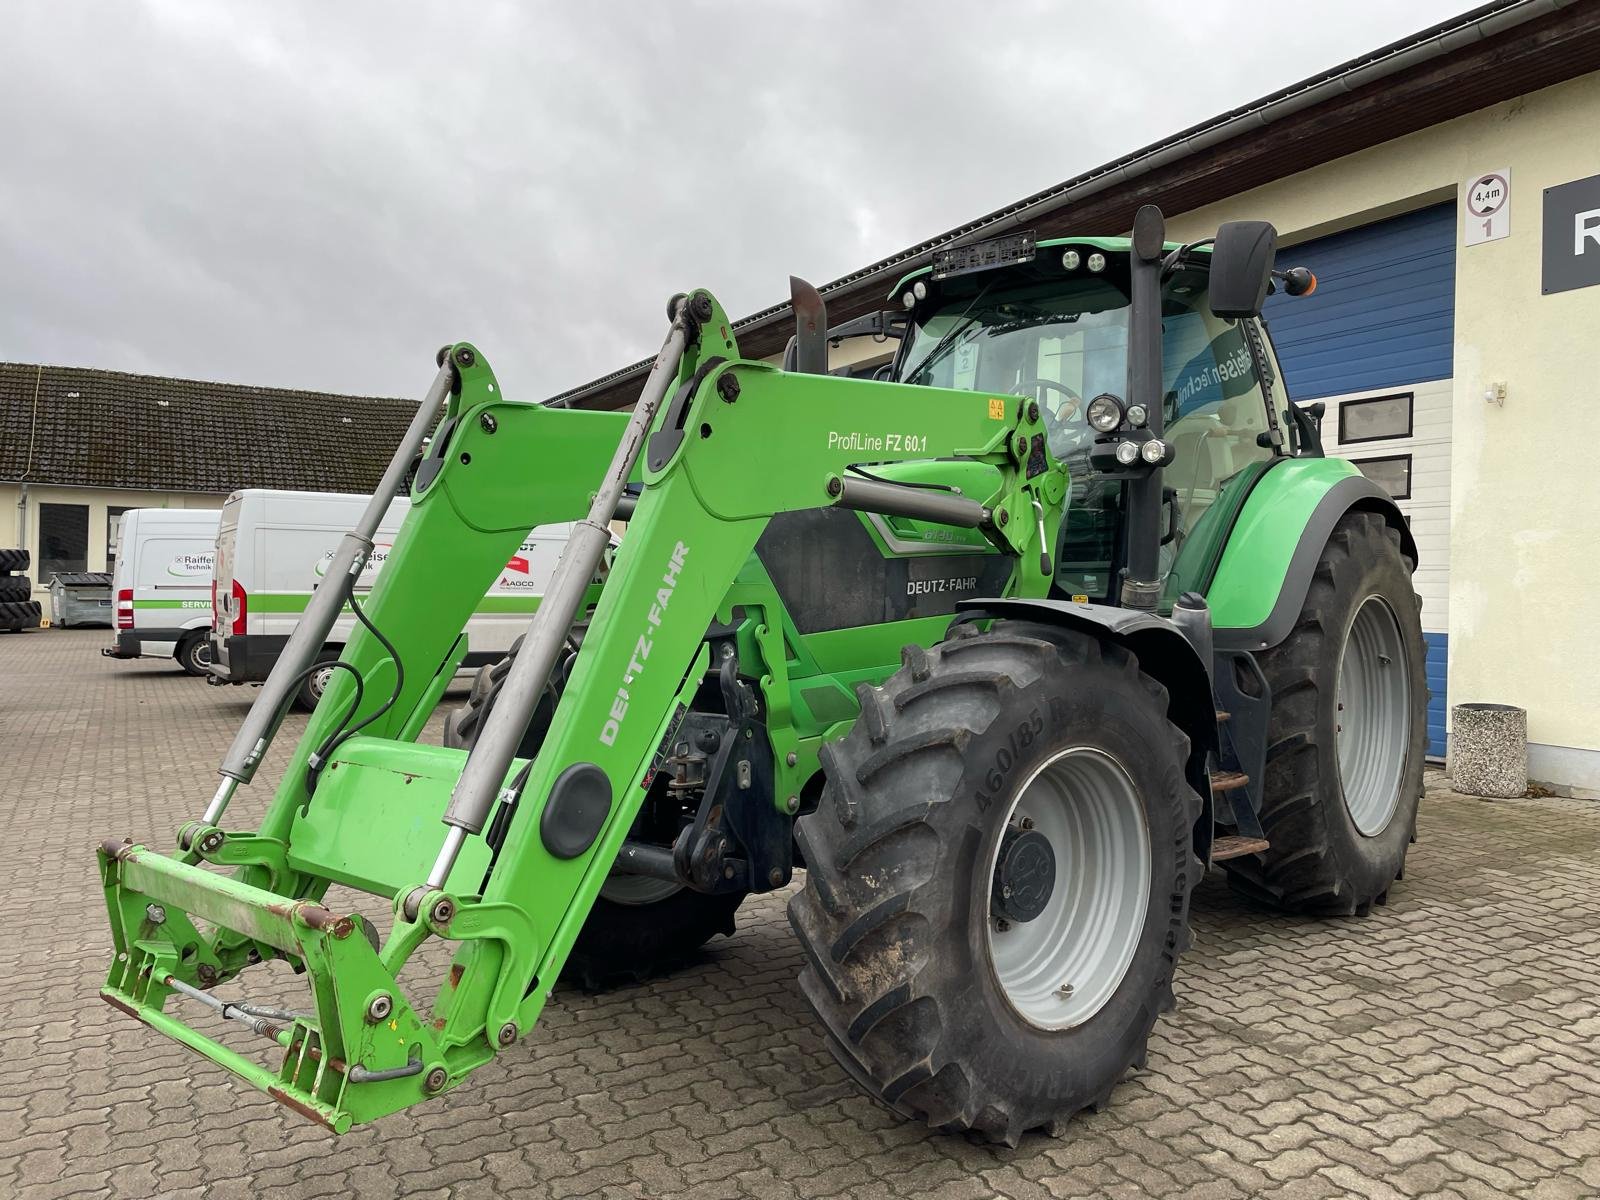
[1051,321]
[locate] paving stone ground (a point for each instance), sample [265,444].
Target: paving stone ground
[1449,1045]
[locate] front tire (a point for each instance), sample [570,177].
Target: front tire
[902,917]
[1346,736]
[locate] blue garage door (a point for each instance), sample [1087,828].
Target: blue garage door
[1375,343]
[1383,314]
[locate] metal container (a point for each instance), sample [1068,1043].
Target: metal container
[81,600]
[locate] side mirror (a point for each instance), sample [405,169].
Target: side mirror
[1241,267]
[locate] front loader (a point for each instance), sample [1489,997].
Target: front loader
[1000,651]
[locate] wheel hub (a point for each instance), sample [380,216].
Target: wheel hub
[1060,952]
[1024,875]
[1373,716]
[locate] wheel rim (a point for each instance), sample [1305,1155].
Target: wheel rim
[200,654]
[319,681]
[1374,716]
[1061,968]
[637,889]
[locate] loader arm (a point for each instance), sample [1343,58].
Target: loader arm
[732,444]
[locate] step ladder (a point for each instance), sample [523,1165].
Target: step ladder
[1233,845]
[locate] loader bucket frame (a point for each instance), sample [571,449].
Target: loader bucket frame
[731,443]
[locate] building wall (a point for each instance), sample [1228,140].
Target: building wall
[98,500]
[1525,489]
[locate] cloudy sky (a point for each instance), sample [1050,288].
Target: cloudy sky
[319,195]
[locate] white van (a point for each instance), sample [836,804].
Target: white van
[162,585]
[272,548]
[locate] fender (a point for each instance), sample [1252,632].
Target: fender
[1273,548]
[1164,654]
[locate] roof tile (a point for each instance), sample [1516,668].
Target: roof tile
[81,427]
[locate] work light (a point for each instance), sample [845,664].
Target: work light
[1105,413]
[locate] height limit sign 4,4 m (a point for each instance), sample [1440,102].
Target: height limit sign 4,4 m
[1486,208]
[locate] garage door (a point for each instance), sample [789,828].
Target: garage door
[1375,342]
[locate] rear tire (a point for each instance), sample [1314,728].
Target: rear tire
[15,587]
[1346,737]
[14,560]
[907,962]
[194,654]
[638,926]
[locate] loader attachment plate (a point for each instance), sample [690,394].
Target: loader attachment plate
[338,1067]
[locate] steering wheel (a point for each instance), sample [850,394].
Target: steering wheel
[1060,434]
[1039,386]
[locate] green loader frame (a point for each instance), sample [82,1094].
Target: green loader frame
[698,711]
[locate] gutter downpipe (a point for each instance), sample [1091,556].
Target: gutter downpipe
[1143,162]
[27,468]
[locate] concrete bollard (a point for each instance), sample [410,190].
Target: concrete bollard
[1489,750]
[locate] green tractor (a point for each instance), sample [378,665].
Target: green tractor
[1001,650]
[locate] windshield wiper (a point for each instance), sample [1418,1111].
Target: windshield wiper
[962,323]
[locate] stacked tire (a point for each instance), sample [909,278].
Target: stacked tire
[18,609]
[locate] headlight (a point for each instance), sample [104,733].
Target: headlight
[1070,260]
[1127,453]
[908,299]
[919,290]
[1097,261]
[1105,413]
[1137,416]
[1153,451]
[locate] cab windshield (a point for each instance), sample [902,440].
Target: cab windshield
[1063,341]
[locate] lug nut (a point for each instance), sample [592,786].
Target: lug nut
[379,1008]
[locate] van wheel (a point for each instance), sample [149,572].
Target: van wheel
[316,682]
[194,654]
